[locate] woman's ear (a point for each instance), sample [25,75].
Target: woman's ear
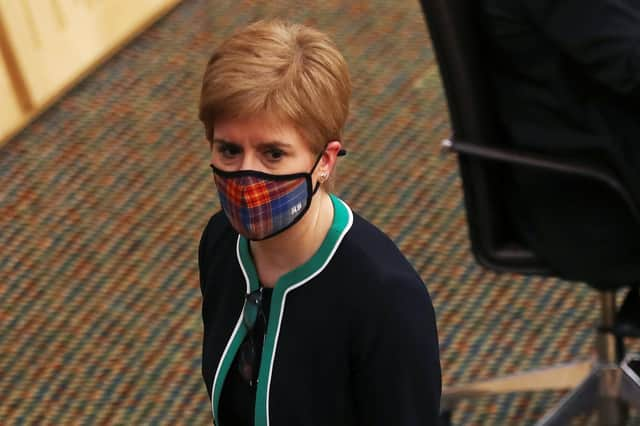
[330,156]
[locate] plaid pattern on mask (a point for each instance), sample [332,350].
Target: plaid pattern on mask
[258,207]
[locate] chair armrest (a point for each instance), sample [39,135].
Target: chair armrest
[511,156]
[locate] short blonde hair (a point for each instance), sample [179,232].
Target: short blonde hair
[289,70]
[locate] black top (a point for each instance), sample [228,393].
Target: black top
[238,399]
[351,338]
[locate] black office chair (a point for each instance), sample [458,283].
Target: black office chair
[611,382]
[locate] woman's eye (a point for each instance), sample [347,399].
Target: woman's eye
[228,151]
[274,154]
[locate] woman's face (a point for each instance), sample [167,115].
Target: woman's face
[260,143]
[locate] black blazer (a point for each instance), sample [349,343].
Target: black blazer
[351,337]
[567,78]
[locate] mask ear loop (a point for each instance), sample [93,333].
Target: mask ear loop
[310,176]
[341,153]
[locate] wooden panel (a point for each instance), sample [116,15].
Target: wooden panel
[56,42]
[11,114]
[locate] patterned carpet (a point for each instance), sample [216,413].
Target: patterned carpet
[104,197]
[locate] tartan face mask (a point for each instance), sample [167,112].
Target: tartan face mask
[260,205]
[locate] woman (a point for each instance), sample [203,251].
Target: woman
[311,315]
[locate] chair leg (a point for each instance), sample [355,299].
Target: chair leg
[612,409]
[606,385]
[561,377]
[602,390]
[607,346]
[579,401]
[630,386]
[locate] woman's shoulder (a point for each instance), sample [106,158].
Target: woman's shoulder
[216,245]
[375,258]
[369,244]
[372,267]
[218,221]
[217,230]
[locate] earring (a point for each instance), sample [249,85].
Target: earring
[323,176]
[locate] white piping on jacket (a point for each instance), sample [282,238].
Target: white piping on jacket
[233,335]
[293,287]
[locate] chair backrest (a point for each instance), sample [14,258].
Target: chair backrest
[486,158]
[458,44]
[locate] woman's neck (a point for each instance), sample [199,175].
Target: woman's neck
[284,252]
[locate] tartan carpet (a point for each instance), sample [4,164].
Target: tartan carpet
[103,199]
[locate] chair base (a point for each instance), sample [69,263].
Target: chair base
[608,389]
[607,384]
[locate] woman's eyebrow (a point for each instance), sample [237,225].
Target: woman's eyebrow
[224,142]
[261,144]
[274,144]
